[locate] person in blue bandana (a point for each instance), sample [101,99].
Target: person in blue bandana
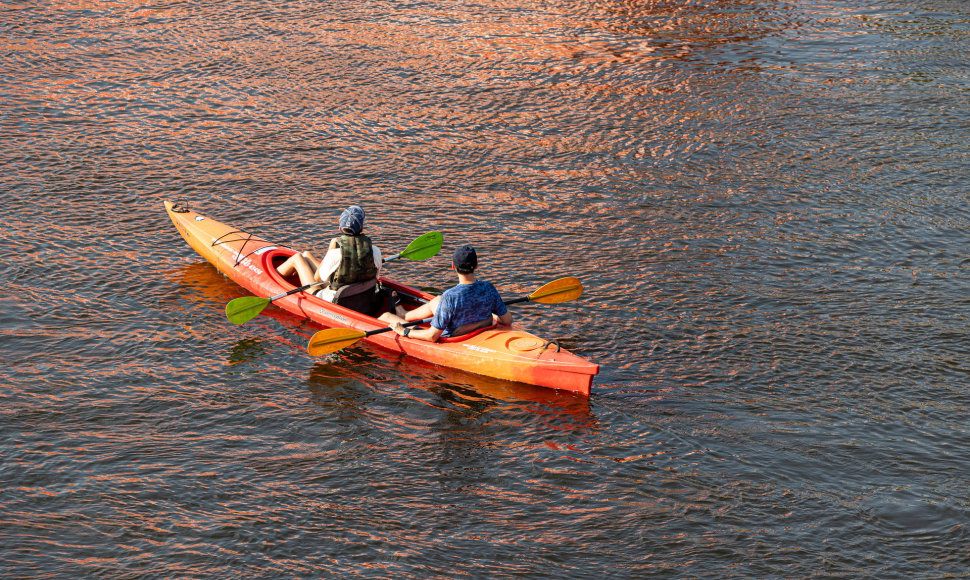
[349,268]
[461,309]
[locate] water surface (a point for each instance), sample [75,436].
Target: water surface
[766,203]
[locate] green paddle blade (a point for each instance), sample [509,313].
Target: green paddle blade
[242,310]
[423,247]
[333,339]
[561,290]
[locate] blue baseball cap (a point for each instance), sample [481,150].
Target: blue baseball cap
[352,220]
[465,260]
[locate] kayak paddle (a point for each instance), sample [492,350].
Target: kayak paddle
[333,339]
[244,309]
[422,248]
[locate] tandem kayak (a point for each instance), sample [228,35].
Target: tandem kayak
[502,352]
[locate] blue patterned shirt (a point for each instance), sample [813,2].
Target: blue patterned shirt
[467,303]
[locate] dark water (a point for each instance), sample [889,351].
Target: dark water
[766,202]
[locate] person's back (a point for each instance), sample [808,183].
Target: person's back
[458,310]
[351,265]
[356,261]
[466,307]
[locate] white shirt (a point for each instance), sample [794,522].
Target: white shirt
[330,263]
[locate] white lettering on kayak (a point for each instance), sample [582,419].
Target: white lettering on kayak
[249,264]
[245,261]
[338,317]
[477,348]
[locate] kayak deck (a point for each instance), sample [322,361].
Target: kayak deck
[504,352]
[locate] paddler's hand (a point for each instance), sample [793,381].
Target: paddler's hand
[397,327]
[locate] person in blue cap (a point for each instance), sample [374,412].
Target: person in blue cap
[470,305]
[349,268]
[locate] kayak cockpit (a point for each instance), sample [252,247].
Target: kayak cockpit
[371,301]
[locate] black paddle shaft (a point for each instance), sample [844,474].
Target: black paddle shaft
[386,328]
[295,290]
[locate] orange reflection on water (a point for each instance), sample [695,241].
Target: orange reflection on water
[211,290]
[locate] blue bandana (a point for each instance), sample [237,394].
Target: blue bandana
[352,220]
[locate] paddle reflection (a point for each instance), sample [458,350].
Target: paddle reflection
[246,350]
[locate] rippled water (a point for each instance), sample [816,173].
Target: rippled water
[766,202]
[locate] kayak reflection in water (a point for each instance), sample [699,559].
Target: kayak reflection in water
[349,269]
[470,305]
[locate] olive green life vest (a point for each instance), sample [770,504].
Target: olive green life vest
[356,261]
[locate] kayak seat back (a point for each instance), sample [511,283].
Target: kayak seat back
[468,335]
[363,297]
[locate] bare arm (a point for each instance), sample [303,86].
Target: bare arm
[430,334]
[330,262]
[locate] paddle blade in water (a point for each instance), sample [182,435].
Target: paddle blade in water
[241,310]
[561,290]
[332,339]
[423,247]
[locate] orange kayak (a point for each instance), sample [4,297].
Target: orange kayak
[503,352]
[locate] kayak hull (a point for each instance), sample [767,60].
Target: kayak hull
[503,352]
